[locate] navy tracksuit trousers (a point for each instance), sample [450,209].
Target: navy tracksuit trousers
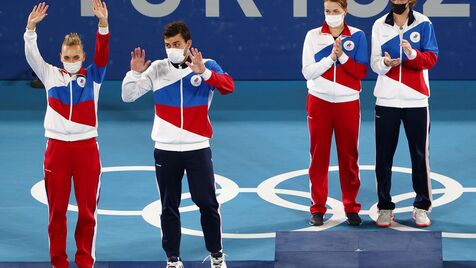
[170,167]
[417,128]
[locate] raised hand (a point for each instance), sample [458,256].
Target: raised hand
[138,63]
[37,14]
[407,48]
[100,11]
[338,47]
[388,61]
[197,64]
[333,54]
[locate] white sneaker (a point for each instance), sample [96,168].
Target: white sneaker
[421,217]
[218,262]
[174,262]
[385,218]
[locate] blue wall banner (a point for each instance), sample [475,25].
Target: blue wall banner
[250,39]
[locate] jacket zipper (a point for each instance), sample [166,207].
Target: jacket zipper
[70,99]
[181,101]
[335,73]
[335,78]
[181,106]
[401,54]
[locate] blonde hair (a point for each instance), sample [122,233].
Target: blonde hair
[341,3]
[73,39]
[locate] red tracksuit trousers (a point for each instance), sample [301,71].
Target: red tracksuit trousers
[78,160]
[343,119]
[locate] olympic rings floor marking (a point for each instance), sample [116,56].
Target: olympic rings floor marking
[267,191]
[452,191]
[38,192]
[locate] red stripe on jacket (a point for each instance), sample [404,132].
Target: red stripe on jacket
[344,77]
[355,69]
[101,53]
[223,82]
[195,118]
[411,78]
[423,61]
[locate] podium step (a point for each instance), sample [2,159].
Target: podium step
[143,264]
[351,249]
[196,264]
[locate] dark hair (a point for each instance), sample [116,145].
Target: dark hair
[177,27]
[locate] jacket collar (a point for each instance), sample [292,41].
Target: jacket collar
[390,21]
[326,29]
[183,65]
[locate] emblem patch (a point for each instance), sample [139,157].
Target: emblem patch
[196,80]
[349,45]
[81,81]
[415,37]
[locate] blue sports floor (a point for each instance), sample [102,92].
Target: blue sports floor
[260,152]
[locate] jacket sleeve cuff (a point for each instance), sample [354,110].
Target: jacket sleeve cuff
[384,67]
[136,75]
[343,58]
[413,55]
[103,30]
[329,61]
[206,75]
[30,33]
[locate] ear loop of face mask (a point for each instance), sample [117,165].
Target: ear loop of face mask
[187,53]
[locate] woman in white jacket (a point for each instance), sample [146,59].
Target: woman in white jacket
[404,47]
[334,61]
[71,128]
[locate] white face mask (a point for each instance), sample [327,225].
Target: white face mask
[72,68]
[175,55]
[334,20]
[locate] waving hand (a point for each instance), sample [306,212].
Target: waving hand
[37,15]
[100,11]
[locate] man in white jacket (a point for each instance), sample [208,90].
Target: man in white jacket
[183,87]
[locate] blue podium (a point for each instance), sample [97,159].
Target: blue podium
[351,249]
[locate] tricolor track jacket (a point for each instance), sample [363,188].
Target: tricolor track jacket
[406,85]
[182,99]
[71,113]
[338,81]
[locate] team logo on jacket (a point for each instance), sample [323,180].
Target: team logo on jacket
[349,45]
[196,80]
[81,81]
[415,37]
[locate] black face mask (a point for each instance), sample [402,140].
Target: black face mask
[399,9]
